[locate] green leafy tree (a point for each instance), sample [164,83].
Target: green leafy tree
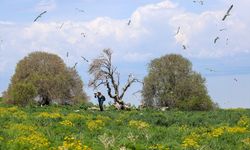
[49,76]
[171,82]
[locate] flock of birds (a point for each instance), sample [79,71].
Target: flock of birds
[223,29]
[82,34]
[227,14]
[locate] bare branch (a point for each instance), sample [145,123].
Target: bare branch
[130,81]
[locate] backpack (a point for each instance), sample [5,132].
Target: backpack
[103,98]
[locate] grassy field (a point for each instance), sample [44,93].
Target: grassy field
[73,128]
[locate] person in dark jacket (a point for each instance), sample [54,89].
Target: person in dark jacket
[101,99]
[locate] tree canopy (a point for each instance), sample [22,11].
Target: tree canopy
[45,77]
[172,83]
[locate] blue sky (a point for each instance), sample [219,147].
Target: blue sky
[150,35]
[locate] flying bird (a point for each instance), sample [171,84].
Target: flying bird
[139,91]
[201,2]
[75,65]
[61,26]
[39,16]
[85,59]
[178,30]
[83,34]
[211,70]
[227,41]
[228,13]
[129,22]
[223,29]
[80,10]
[184,46]
[215,40]
[235,80]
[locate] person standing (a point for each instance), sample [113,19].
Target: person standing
[101,99]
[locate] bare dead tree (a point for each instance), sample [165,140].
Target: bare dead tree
[105,74]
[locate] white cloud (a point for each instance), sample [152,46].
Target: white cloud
[46,5]
[6,23]
[150,34]
[136,57]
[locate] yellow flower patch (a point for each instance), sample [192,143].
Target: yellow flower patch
[104,118]
[138,124]
[13,112]
[73,116]
[246,141]
[191,141]
[49,115]
[70,143]
[35,140]
[216,132]
[95,124]
[22,127]
[244,122]
[67,123]
[236,129]
[158,147]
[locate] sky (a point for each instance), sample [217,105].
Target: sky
[151,34]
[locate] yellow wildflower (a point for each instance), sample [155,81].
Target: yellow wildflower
[246,141]
[158,147]
[70,143]
[236,129]
[49,115]
[216,132]
[35,140]
[66,123]
[12,109]
[191,141]
[22,127]
[95,124]
[138,124]
[104,118]
[73,116]
[244,122]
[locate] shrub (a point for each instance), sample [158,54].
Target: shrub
[23,93]
[195,103]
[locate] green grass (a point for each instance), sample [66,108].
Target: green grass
[43,128]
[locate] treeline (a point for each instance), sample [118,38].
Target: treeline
[43,78]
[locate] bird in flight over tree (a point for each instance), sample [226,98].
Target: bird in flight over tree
[75,65]
[85,59]
[211,70]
